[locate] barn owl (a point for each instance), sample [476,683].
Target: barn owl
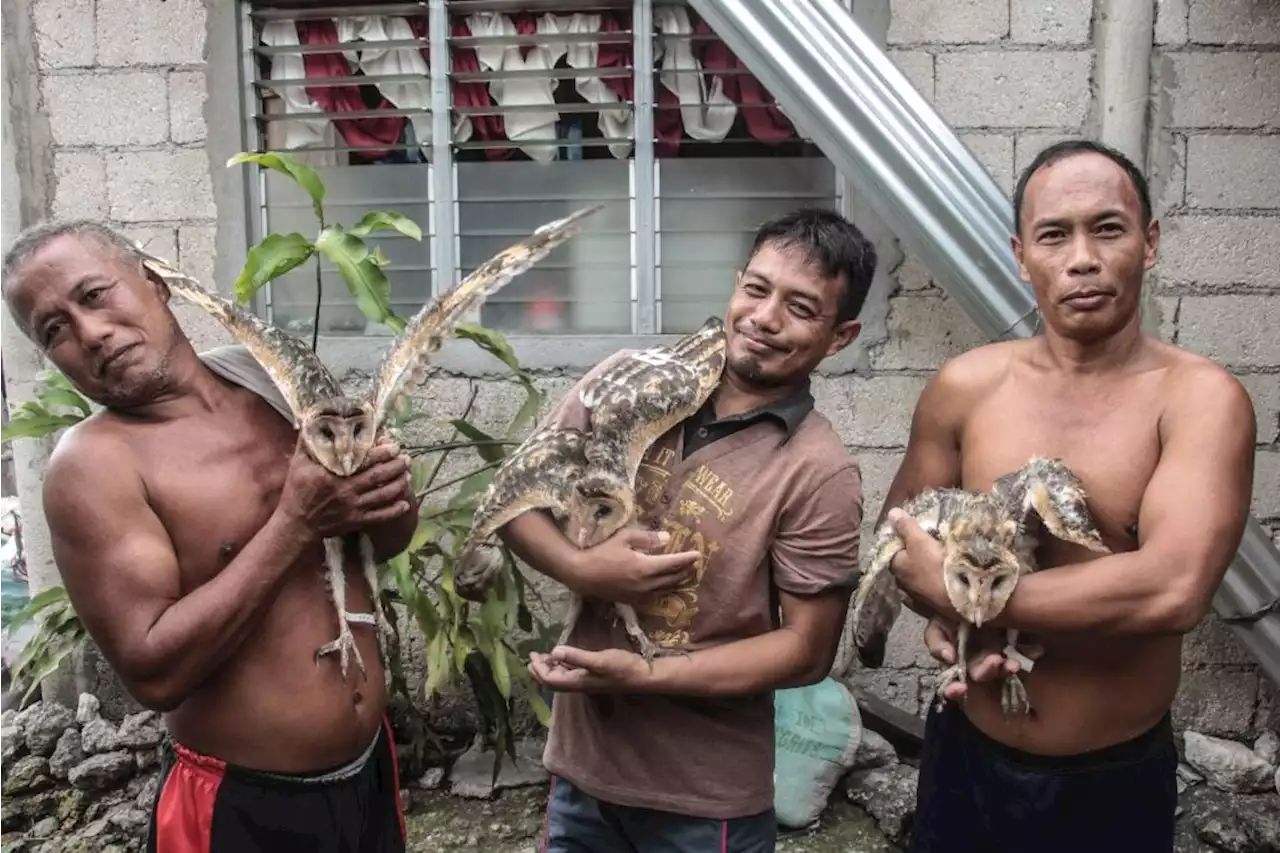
[338,430]
[587,479]
[987,545]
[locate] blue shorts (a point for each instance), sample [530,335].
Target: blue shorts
[977,795]
[579,823]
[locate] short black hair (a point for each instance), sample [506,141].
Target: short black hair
[1068,148]
[36,237]
[831,243]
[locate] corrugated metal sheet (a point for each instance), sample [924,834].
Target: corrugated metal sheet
[843,92]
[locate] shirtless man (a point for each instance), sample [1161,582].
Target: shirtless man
[186,522]
[1164,442]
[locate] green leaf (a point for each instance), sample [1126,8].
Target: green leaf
[386,220]
[39,602]
[36,426]
[302,174]
[437,662]
[423,534]
[528,411]
[501,674]
[489,450]
[365,279]
[66,397]
[490,340]
[270,259]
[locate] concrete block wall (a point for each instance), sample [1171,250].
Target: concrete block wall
[124,87]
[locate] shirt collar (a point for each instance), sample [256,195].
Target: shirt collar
[789,410]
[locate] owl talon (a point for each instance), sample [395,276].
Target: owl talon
[1013,697]
[345,646]
[951,675]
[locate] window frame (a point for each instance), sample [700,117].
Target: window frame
[545,352]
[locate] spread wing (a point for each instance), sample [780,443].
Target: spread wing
[878,601]
[539,474]
[1049,490]
[425,333]
[292,366]
[645,393]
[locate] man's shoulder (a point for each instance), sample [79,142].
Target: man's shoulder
[818,449]
[1195,382]
[979,368]
[93,451]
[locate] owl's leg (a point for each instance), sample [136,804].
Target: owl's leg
[370,567]
[1013,695]
[345,643]
[648,649]
[570,618]
[960,671]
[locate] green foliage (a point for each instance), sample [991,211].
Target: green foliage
[60,634]
[57,405]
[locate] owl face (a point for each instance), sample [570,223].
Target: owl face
[599,506]
[980,573]
[338,434]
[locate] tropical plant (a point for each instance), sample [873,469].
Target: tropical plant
[486,644]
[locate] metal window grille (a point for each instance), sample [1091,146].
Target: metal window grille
[483,119]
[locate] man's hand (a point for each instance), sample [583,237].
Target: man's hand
[571,670]
[323,504]
[986,661]
[624,568]
[918,568]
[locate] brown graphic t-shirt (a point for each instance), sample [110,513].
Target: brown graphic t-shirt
[774,504]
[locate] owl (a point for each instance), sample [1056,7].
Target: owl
[338,430]
[587,479]
[988,541]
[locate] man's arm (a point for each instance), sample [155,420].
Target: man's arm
[1190,523]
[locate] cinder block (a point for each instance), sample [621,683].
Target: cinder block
[1171,22]
[882,409]
[1232,330]
[98,109]
[1015,88]
[158,240]
[1219,251]
[1167,306]
[1233,170]
[143,32]
[1051,21]
[1225,89]
[1264,389]
[187,94]
[1168,176]
[203,331]
[917,65]
[80,185]
[1213,644]
[878,470]
[898,687]
[1234,22]
[913,275]
[197,248]
[1266,484]
[1216,702]
[995,152]
[65,33]
[924,331]
[920,21]
[146,186]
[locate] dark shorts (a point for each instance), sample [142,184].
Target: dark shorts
[204,805]
[579,823]
[977,795]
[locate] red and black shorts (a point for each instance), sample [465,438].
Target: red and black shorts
[204,805]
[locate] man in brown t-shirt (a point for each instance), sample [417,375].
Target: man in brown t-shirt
[757,505]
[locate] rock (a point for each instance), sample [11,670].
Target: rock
[102,771]
[27,775]
[146,759]
[89,708]
[46,827]
[129,820]
[11,744]
[888,794]
[66,754]
[431,780]
[473,771]
[99,736]
[8,718]
[42,724]
[146,796]
[1278,780]
[1227,765]
[21,811]
[71,804]
[1237,824]
[873,751]
[1267,746]
[141,731]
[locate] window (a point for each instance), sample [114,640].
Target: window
[538,111]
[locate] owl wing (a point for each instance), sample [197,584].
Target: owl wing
[297,371]
[878,600]
[538,474]
[645,393]
[425,333]
[1047,489]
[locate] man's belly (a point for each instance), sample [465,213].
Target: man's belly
[1079,704]
[273,707]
